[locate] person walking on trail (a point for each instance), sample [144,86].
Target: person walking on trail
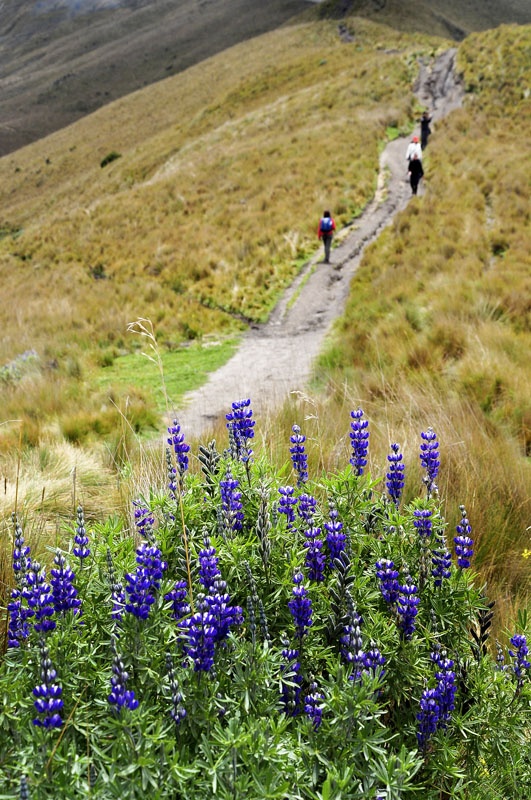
[425,129]
[325,232]
[413,148]
[415,172]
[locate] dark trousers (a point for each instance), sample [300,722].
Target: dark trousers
[327,241]
[414,181]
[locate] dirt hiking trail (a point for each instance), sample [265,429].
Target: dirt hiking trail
[276,358]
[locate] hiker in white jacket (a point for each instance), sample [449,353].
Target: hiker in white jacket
[412,148]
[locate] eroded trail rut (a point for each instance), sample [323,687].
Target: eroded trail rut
[275,359]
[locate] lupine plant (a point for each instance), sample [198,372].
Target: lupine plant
[283,644]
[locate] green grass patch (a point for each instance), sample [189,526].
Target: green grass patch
[184,369]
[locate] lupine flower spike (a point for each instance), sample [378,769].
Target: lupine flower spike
[18,627]
[428,717]
[335,538]
[429,459]
[231,504]
[287,503]
[441,560]
[520,661]
[388,579]
[241,424]
[180,450]
[48,703]
[395,476]
[178,711]
[120,696]
[313,706]
[299,457]
[464,545]
[81,540]
[40,598]
[291,691]
[359,439]
[143,584]
[300,607]
[407,607]
[64,592]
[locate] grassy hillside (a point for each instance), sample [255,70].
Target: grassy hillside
[209,210]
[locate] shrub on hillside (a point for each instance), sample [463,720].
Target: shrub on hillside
[265,635]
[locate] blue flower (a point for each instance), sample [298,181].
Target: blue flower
[373,662]
[178,598]
[395,476]
[359,439]
[18,628]
[299,458]
[313,706]
[144,520]
[208,565]
[351,639]
[20,554]
[217,603]
[520,662]
[407,607]
[423,522]
[240,425]
[464,545]
[315,558]
[120,696]
[200,638]
[286,504]
[180,448]
[48,693]
[40,598]
[142,584]
[429,459]
[117,591]
[335,538]
[446,686]
[64,592]
[231,503]
[306,508]
[300,607]
[388,579]
[428,717]
[81,540]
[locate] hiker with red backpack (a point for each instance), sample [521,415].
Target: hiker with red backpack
[325,232]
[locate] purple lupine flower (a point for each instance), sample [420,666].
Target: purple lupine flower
[18,628]
[200,637]
[291,691]
[217,602]
[446,686]
[313,706]
[64,592]
[142,584]
[48,693]
[299,458]
[208,565]
[286,504]
[178,599]
[315,558]
[359,439]
[144,520]
[373,662]
[241,424]
[423,522]
[120,696]
[178,711]
[81,539]
[40,598]
[300,607]
[180,448]
[407,607]
[428,717]
[429,459]
[335,538]
[441,560]
[231,503]
[464,545]
[395,476]
[351,640]
[306,508]
[388,579]
[520,662]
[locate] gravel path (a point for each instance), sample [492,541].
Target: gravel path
[276,358]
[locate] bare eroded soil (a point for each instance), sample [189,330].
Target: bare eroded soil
[276,358]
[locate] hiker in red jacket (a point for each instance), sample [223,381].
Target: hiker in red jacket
[325,232]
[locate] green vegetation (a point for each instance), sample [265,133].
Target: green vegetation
[221,642]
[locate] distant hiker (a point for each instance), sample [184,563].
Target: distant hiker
[325,232]
[415,172]
[413,148]
[425,129]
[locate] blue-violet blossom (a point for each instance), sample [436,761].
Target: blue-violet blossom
[299,458]
[395,476]
[359,439]
[464,545]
